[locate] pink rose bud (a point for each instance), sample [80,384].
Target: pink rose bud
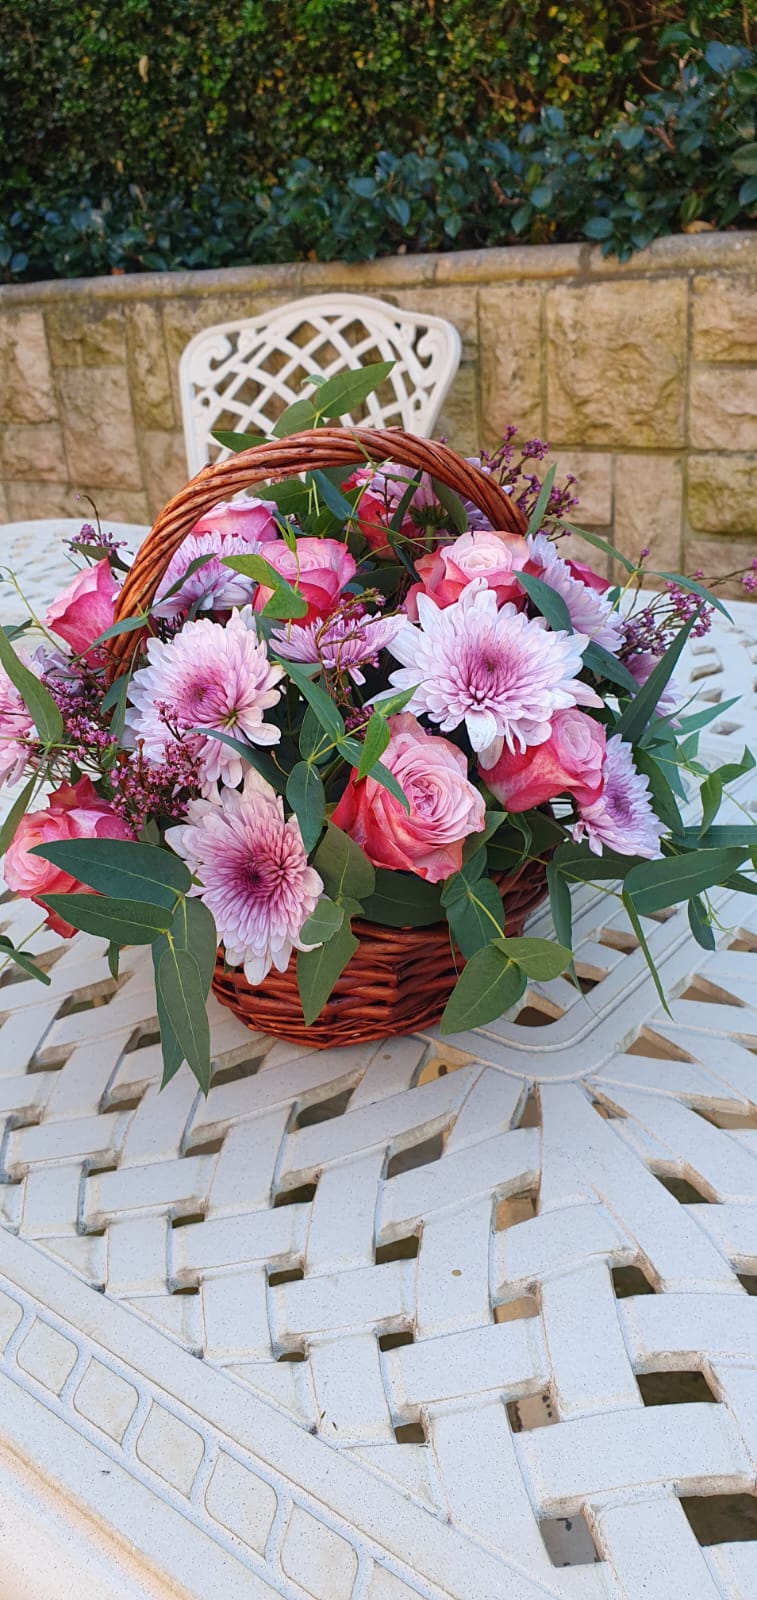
[444,806]
[84,610]
[318,569]
[72,812]
[569,762]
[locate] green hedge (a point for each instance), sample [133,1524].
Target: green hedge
[172,133]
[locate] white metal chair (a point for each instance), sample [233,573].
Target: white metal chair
[240,376]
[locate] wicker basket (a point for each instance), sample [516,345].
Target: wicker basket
[399,979]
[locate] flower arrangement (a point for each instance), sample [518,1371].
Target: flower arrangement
[349,700]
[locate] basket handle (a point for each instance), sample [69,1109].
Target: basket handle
[285,458]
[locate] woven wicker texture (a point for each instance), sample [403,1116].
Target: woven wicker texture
[399,979]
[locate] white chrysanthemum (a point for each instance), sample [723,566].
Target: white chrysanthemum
[208,676]
[590,612]
[253,874]
[501,674]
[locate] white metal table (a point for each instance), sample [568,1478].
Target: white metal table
[416,1319]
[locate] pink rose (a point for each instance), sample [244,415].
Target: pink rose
[571,760]
[85,609]
[72,812]
[319,569]
[587,575]
[444,806]
[16,729]
[385,488]
[373,513]
[241,519]
[497,557]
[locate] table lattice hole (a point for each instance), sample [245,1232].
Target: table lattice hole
[588,978]
[96,1171]
[529,1115]
[111,1100]
[323,1110]
[417,1155]
[748,1281]
[398,1250]
[538,1012]
[292,1355]
[683,1190]
[519,1310]
[610,1112]
[721,1518]
[52,1058]
[568,1541]
[675,1388]
[707,669]
[394,1341]
[295,1197]
[185,1289]
[142,1039]
[410,1433]
[13,974]
[649,1043]
[442,1060]
[706,993]
[618,939]
[513,1209]
[660,916]
[91,1000]
[285,1275]
[628,1281]
[745,940]
[534,1411]
[727,1119]
[236,1071]
[205,1147]
[188,1219]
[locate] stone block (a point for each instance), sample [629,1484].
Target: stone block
[592,470]
[722,494]
[723,408]
[122,505]
[83,332]
[241,1502]
[457,302]
[149,373]
[511,360]
[717,556]
[458,421]
[724,323]
[33,451]
[165,467]
[32,500]
[648,508]
[321,1561]
[616,362]
[27,393]
[98,427]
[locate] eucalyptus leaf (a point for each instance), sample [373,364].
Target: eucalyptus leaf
[39,703]
[636,924]
[179,984]
[606,665]
[700,924]
[488,985]
[452,504]
[237,441]
[344,868]
[547,601]
[537,515]
[400,900]
[634,718]
[475,918]
[118,921]
[540,959]
[318,970]
[307,797]
[127,625]
[338,504]
[299,415]
[317,698]
[377,736]
[195,931]
[655,885]
[17,811]
[251,756]
[322,923]
[693,586]
[599,543]
[135,871]
[337,396]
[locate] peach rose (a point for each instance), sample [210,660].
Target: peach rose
[319,569]
[570,761]
[444,806]
[497,557]
[72,812]
[85,609]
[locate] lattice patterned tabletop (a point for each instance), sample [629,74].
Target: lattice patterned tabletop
[418,1319]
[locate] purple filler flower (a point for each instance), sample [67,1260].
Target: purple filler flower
[621,818]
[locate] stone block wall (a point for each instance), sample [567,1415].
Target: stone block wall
[642,375]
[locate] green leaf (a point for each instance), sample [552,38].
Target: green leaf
[23,959]
[254,758]
[194,566]
[179,985]
[540,959]
[307,797]
[537,515]
[695,587]
[560,905]
[339,394]
[344,868]
[711,792]
[299,415]
[313,741]
[578,863]
[338,504]
[128,625]
[474,920]
[142,872]
[377,736]
[398,515]
[322,923]
[636,924]
[488,985]
[723,835]
[392,703]
[400,900]
[456,886]
[551,605]
[40,705]
[317,698]
[493,820]
[382,775]
[285,603]
[193,930]
[700,719]
[699,923]
[118,921]
[656,885]
[113,953]
[663,798]
[599,543]
[745,160]
[236,441]
[634,718]
[452,504]
[605,665]
[318,970]
[17,811]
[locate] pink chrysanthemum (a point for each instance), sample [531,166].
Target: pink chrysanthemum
[343,643]
[16,729]
[640,665]
[621,818]
[253,874]
[590,612]
[212,677]
[501,674]
[212,587]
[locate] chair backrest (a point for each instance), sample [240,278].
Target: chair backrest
[240,376]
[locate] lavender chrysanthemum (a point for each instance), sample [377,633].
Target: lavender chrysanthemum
[640,665]
[211,587]
[621,818]
[253,874]
[501,674]
[590,612]
[343,643]
[208,676]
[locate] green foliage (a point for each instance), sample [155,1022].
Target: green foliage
[160,134]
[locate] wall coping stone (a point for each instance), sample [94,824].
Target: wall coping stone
[704,252]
